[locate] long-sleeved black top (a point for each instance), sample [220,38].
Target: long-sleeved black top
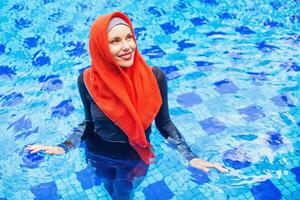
[103,136]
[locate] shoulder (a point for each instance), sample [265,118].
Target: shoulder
[80,81]
[158,73]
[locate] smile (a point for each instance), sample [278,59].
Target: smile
[126,56]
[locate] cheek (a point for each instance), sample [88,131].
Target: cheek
[114,49]
[133,45]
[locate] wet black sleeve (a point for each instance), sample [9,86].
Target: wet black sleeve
[164,123]
[85,128]
[85,98]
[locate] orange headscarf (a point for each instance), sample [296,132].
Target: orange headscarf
[130,97]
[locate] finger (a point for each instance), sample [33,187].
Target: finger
[34,146]
[52,151]
[39,148]
[36,150]
[205,169]
[221,169]
[202,168]
[224,170]
[48,148]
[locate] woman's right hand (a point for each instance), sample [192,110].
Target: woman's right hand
[47,149]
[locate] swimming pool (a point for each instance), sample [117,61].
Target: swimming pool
[233,70]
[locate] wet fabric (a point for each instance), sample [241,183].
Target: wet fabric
[103,136]
[119,176]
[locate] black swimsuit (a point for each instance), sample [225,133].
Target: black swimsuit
[102,135]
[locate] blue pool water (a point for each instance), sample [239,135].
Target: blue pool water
[234,78]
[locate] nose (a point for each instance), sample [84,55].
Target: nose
[125,46]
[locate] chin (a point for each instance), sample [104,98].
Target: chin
[126,65]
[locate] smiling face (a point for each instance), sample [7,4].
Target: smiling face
[122,45]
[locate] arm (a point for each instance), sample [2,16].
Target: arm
[168,130]
[78,134]
[164,123]
[81,132]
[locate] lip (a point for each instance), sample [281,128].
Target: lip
[126,56]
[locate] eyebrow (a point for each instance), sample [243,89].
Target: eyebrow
[112,39]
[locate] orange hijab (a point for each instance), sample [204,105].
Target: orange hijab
[130,97]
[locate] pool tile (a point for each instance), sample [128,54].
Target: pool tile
[138,31]
[295,18]
[258,76]
[50,83]
[266,48]
[266,190]
[244,30]
[171,72]
[2,49]
[212,126]
[169,27]
[296,193]
[199,21]
[31,160]
[274,138]
[189,99]
[153,52]
[87,178]
[271,23]
[7,72]
[12,99]
[17,7]
[211,2]
[56,16]
[286,118]
[248,137]
[237,158]
[77,49]
[197,176]
[158,12]
[25,134]
[158,190]
[22,23]
[252,112]
[296,171]
[217,106]
[64,29]
[226,87]
[45,191]
[226,15]
[24,123]
[31,42]
[290,65]
[183,44]
[64,108]
[40,59]
[204,66]
[212,33]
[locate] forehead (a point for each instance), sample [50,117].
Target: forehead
[120,30]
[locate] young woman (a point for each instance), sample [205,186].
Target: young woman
[122,96]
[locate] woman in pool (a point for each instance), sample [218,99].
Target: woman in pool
[122,96]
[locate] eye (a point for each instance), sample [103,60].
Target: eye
[115,41]
[129,37]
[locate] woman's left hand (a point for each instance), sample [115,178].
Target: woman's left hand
[205,166]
